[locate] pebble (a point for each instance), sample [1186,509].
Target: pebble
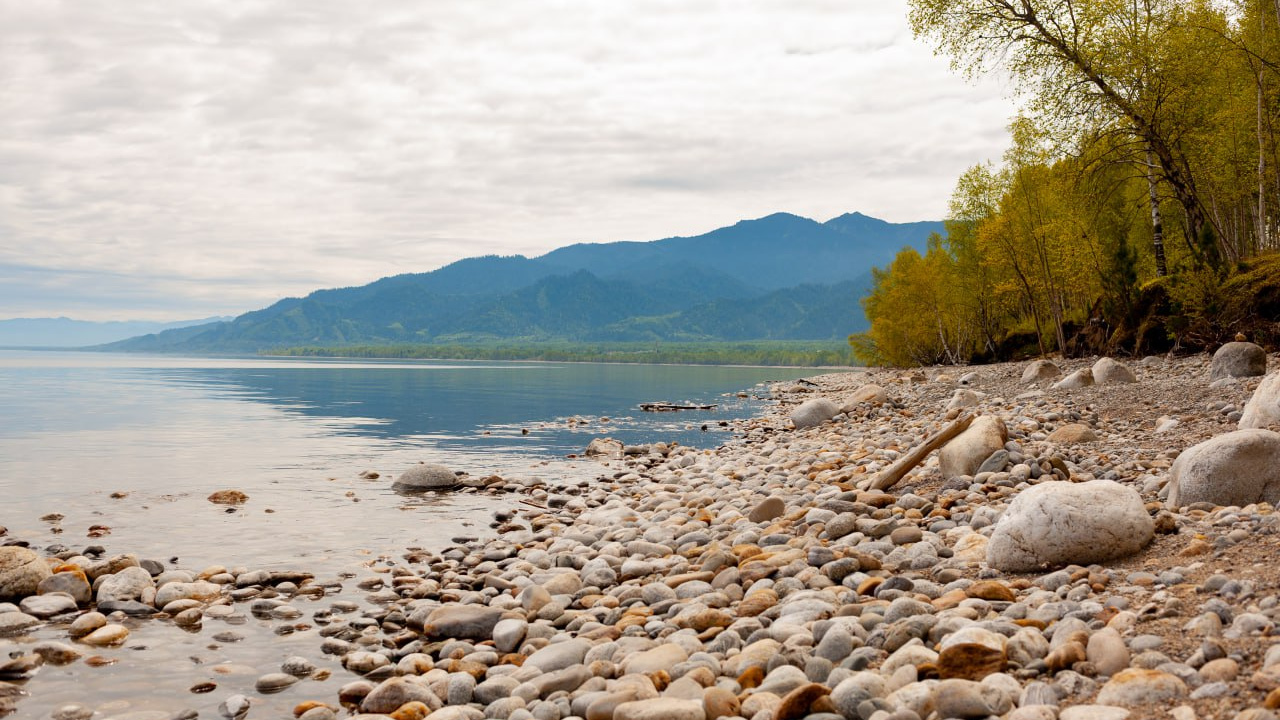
[274,682]
[47,606]
[15,622]
[1135,686]
[106,635]
[235,707]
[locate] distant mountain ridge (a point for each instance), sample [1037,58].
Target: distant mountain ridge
[65,332]
[780,277]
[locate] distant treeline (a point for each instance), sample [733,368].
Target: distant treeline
[799,353]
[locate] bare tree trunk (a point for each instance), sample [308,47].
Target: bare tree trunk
[1157,223]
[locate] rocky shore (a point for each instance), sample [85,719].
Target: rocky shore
[1097,542]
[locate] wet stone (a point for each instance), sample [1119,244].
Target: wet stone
[274,682]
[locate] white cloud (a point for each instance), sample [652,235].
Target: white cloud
[191,157]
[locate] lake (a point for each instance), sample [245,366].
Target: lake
[136,443]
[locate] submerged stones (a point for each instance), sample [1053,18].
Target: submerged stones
[427,476]
[1237,468]
[228,497]
[1061,523]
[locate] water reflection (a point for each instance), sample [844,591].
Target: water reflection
[456,405]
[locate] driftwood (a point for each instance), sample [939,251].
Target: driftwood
[671,407]
[890,476]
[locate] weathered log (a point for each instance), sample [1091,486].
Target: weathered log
[890,476]
[671,407]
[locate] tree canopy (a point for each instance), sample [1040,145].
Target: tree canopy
[1141,177]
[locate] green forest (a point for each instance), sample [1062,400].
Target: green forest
[1137,208]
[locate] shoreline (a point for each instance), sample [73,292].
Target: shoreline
[764,579]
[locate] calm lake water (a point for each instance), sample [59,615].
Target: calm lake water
[137,443]
[295,435]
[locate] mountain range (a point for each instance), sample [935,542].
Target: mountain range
[61,332]
[780,277]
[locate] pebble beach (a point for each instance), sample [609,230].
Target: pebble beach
[1096,543]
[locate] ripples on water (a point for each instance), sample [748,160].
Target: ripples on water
[295,435]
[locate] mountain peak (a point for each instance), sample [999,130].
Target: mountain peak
[777,218]
[855,217]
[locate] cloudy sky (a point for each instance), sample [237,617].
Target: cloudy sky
[173,159]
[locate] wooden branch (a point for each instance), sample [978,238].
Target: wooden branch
[890,476]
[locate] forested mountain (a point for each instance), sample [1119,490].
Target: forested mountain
[780,277]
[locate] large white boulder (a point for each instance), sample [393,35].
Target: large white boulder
[1237,468]
[1039,370]
[1238,359]
[427,476]
[869,393]
[963,399]
[964,454]
[814,412]
[1063,523]
[1263,409]
[1076,380]
[1111,372]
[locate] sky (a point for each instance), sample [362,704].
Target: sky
[177,159]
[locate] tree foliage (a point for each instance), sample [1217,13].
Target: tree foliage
[1146,145]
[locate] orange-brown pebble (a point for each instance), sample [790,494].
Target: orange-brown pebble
[868,586]
[70,569]
[949,599]
[310,705]
[751,678]
[720,703]
[971,654]
[1066,656]
[702,675]
[661,680]
[757,602]
[796,703]
[1273,700]
[990,590]
[1197,546]
[411,711]
[703,620]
